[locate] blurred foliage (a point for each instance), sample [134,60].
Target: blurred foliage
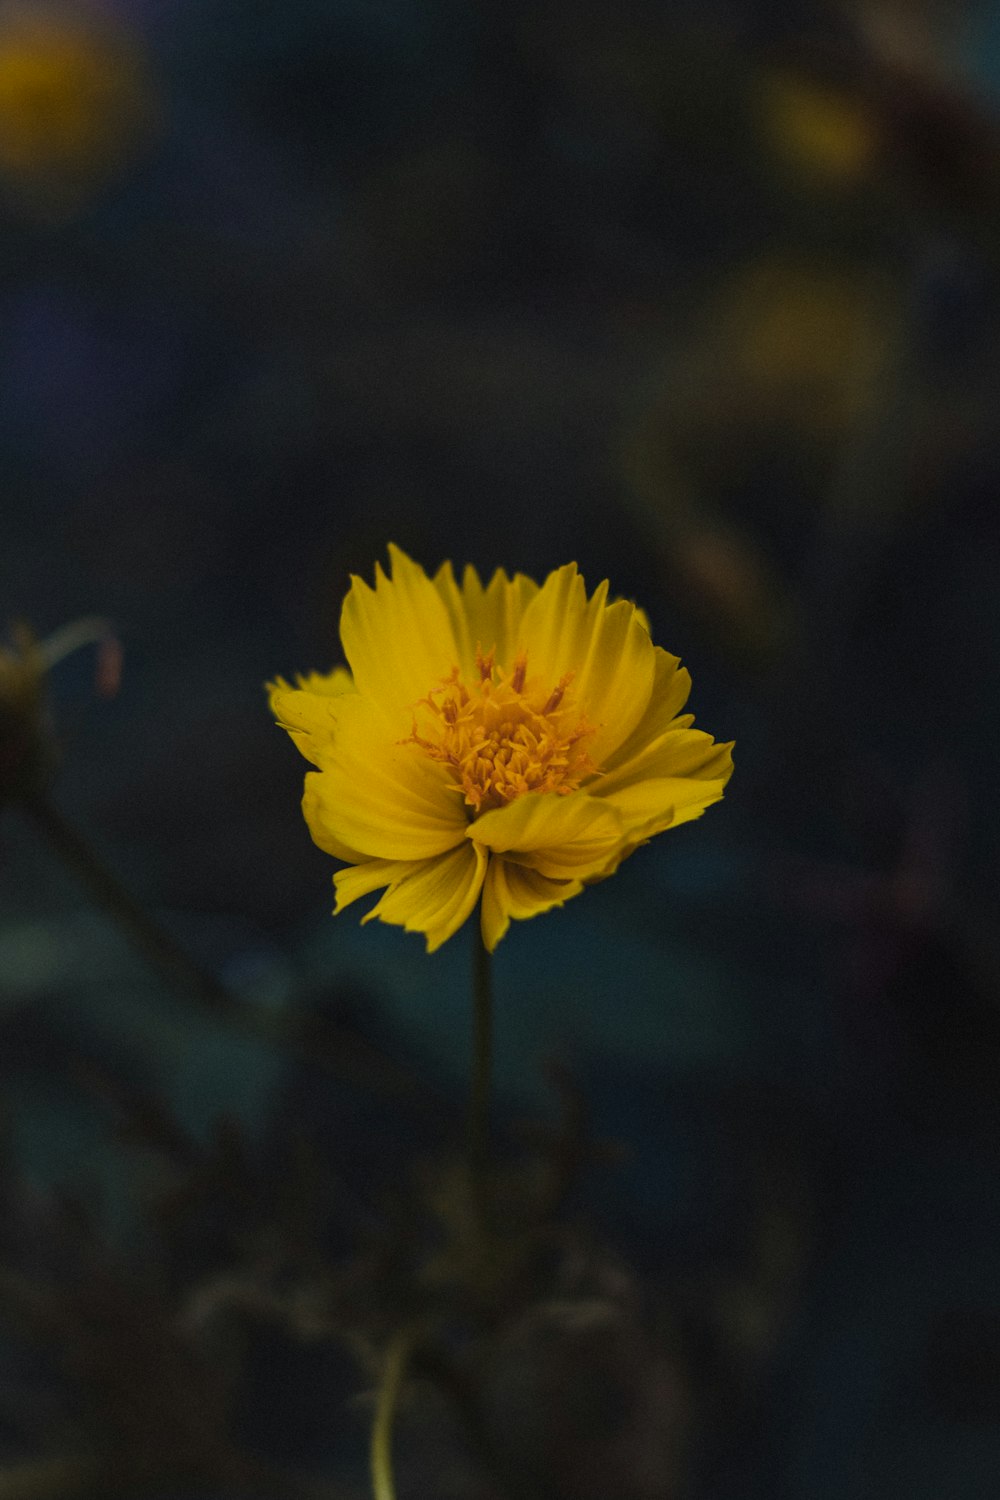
[822,132]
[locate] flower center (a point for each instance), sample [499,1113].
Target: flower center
[504,736]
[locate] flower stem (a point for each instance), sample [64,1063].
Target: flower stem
[400,1350]
[482,1061]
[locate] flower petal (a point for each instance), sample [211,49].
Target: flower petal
[309,713]
[485,618]
[436,897]
[672,781]
[648,807]
[514,891]
[378,796]
[671,686]
[606,647]
[327,684]
[680,753]
[320,822]
[566,838]
[370,875]
[397,637]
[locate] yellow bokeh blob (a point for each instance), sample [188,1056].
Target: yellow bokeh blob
[824,133]
[75,103]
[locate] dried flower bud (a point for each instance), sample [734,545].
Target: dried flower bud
[27,739]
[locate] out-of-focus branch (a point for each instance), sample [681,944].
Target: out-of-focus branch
[334,1048]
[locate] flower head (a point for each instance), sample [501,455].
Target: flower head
[512,743]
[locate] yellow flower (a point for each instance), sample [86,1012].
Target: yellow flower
[513,742]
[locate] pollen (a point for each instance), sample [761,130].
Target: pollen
[505,735]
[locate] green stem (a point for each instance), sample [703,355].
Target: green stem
[482,1061]
[396,1361]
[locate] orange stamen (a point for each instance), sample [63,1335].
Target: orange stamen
[557,694]
[484,664]
[503,738]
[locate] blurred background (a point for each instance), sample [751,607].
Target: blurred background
[705,298]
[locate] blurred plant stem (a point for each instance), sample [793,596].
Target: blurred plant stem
[402,1347]
[322,1041]
[482,1066]
[387,1402]
[107,890]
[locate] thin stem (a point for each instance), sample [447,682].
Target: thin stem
[396,1361]
[482,1060]
[107,890]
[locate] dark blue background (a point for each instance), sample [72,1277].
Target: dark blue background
[706,300]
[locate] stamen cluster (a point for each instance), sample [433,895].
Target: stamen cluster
[505,736]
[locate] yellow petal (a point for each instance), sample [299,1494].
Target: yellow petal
[514,891]
[437,896]
[370,875]
[671,686]
[485,618]
[310,717]
[648,807]
[380,797]
[672,781]
[321,824]
[566,838]
[327,684]
[679,753]
[606,647]
[397,637]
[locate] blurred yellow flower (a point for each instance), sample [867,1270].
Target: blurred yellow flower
[809,341]
[74,100]
[824,132]
[513,742]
